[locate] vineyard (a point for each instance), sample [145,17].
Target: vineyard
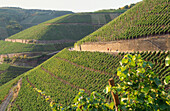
[149,17]
[71,27]
[9,47]
[64,74]
[8,72]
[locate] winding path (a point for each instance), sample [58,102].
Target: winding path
[5,104]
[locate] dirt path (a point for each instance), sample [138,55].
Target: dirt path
[64,81]
[5,104]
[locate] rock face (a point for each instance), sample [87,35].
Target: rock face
[154,43]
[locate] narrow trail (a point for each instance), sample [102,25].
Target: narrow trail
[64,81]
[87,68]
[5,104]
[15,95]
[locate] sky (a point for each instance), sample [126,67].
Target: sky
[70,5]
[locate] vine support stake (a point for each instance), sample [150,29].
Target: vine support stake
[115,96]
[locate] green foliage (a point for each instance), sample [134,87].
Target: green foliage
[146,18]
[83,102]
[140,88]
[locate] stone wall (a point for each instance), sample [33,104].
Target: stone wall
[19,54]
[31,41]
[18,40]
[143,44]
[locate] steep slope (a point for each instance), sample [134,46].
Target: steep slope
[14,19]
[71,27]
[149,17]
[61,76]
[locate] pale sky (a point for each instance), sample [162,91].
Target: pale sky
[70,5]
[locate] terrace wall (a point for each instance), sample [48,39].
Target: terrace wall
[18,55]
[143,44]
[29,41]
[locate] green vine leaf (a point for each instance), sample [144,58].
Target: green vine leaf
[167,60]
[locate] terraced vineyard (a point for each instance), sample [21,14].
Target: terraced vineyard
[8,72]
[71,27]
[9,47]
[149,17]
[61,76]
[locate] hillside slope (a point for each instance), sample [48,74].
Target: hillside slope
[71,27]
[61,76]
[14,19]
[149,17]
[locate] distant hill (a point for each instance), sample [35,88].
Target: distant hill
[149,17]
[15,19]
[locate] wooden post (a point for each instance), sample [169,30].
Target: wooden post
[115,96]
